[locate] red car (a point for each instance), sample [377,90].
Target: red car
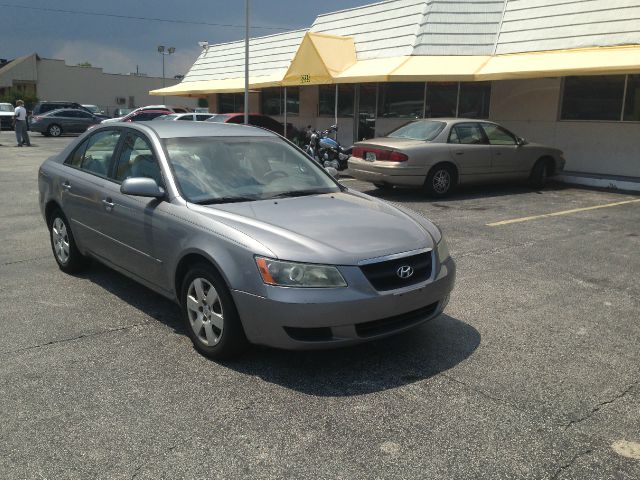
[257,120]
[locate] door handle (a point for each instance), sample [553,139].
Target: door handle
[108,204]
[459,152]
[498,153]
[66,185]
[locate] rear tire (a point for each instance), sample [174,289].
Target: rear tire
[63,245]
[210,314]
[54,130]
[540,174]
[440,181]
[385,187]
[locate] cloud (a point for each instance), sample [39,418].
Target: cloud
[119,60]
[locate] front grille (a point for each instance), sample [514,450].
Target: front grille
[384,275]
[389,324]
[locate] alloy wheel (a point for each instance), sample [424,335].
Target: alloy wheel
[441,181]
[60,239]
[204,308]
[55,131]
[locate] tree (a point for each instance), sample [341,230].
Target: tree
[84,64]
[13,94]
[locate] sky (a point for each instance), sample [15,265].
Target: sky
[120,45]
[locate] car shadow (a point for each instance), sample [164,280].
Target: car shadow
[380,365]
[470,192]
[418,354]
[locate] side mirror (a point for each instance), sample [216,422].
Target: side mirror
[142,187]
[520,141]
[332,171]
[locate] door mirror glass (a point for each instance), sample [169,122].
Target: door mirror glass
[521,141]
[141,187]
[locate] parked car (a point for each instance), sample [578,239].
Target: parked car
[121,112]
[150,107]
[190,117]
[139,116]
[6,116]
[66,120]
[210,217]
[258,120]
[438,154]
[93,109]
[47,106]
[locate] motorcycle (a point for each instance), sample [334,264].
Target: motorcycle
[325,150]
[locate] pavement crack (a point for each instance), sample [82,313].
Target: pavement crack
[599,406]
[26,260]
[72,339]
[492,251]
[570,463]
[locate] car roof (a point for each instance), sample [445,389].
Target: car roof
[204,129]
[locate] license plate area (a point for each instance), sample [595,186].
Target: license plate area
[370,156]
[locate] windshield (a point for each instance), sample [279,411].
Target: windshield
[425,130]
[234,169]
[6,108]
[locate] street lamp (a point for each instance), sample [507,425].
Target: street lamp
[163,52]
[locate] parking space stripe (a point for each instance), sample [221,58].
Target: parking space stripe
[556,214]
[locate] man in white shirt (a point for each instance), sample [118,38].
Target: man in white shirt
[20,122]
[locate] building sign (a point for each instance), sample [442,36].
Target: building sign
[306,78]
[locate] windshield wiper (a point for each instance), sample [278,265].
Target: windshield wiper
[298,193]
[212,201]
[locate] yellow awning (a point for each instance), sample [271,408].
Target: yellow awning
[328,59]
[444,68]
[319,59]
[229,85]
[584,61]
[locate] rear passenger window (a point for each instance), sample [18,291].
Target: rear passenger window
[100,148]
[466,133]
[75,159]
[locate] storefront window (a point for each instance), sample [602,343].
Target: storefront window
[592,98]
[441,99]
[474,100]
[230,102]
[404,100]
[272,101]
[632,99]
[327,99]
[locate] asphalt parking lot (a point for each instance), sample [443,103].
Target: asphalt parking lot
[532,373]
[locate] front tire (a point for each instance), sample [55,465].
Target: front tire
[63,245]
[440,181]
[54,130]
[210,314]
[540,174]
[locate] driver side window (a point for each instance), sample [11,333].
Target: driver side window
[498,135]
[137,160]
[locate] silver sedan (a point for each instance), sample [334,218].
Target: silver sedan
[254,240]
[438,154]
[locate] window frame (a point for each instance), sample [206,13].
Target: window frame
[500,127]
[85,143]
[482,133]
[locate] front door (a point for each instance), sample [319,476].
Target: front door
[130,222]
[506,153]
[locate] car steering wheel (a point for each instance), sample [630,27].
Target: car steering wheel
[274,175]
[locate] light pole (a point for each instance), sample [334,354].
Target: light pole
[163,52]
[246,62]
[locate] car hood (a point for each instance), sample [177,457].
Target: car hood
[341,228]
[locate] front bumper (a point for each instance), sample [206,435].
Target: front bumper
[323,318]
[391,173]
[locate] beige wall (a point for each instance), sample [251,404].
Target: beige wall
[57,81]
[531,109]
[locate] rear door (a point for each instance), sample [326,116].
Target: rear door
[506,154]
[83,184]
[470,150]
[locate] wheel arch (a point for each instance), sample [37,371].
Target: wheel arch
[549,161]
[188,260]
[50,207]
[449,164]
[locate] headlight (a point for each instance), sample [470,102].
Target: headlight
[292,274]
[443,250]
